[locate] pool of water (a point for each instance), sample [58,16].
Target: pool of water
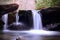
[30,35]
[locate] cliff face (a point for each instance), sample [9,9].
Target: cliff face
[6,2]
[32,4]
[26,4]
[23,4]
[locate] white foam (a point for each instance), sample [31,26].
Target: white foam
[37,20]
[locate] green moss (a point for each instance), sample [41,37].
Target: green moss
[40,4]
[11,18]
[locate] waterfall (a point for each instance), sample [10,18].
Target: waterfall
[17,18]
[5,20]
[37,20]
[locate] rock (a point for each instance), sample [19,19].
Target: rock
[50,16]
[20,38]
[8,8]
[18,27]
[1,24]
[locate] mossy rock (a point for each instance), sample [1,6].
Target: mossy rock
[11,18]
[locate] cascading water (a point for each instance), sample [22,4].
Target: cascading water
[37,20]
[5,20]
[17,20]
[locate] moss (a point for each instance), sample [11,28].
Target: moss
[11,18]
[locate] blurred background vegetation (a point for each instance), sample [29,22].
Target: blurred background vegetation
[40,4]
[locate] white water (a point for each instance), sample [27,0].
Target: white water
[5,20]
[37,20]
[37,25]
[17,18]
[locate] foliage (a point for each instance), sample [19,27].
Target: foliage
[40,4]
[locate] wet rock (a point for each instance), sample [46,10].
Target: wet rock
[11,18]
[26,17]
[50,16]
[20,38]
[1,24]
[20,26]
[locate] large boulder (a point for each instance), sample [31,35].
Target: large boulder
[51,18]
